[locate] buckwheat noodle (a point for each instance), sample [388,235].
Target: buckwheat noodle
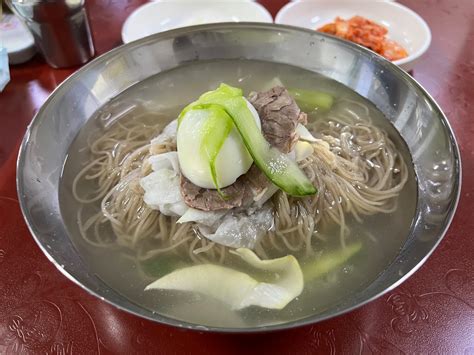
[355,166]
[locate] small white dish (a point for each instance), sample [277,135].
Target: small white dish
[17,39]
[200,0]
[404,25]
[317,0]
[163,15]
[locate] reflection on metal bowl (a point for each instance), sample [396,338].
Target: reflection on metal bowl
[404,102]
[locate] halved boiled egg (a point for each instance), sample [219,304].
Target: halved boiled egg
[232,161]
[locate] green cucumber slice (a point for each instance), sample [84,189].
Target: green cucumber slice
[310,100]
[278,167]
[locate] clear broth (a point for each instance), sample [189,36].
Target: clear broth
[162,97]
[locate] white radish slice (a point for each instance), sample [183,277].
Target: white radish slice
[304,134]
[303,150]
[237,289]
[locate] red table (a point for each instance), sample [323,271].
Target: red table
[433,312]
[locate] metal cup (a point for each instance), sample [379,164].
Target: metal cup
[60,28]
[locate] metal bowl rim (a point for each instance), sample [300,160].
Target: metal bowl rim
[230,25]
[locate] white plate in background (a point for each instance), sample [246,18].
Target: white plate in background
[312,0]
[200,0]
[165,15]
[404,25]
[16,38]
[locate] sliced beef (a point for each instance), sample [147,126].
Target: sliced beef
[279,117]
[239,194]
[209,200]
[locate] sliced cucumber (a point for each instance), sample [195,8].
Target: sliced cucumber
[214,133]
[326,263]
[278,167]
[310,100]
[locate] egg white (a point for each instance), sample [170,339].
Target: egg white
[232,161]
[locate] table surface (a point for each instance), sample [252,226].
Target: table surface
[43,312]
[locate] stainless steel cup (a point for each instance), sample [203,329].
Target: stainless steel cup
[60,28]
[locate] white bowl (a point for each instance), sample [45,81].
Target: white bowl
[17,39]
[404,25]
[199,0]
[162,15]
[315,0]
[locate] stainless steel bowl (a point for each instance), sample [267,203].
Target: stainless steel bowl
[403,101]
